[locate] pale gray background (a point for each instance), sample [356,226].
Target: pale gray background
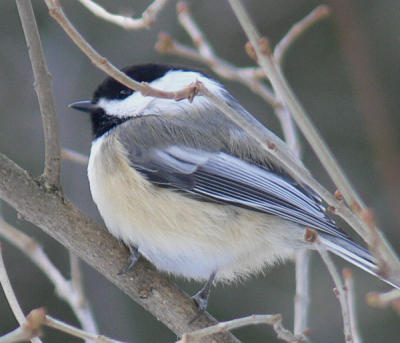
[318,72]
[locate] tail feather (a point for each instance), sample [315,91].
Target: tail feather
[355,254]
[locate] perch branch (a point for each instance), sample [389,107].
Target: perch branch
[64,222]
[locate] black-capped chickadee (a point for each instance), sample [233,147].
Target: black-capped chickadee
[182,185]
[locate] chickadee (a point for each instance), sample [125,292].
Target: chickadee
[185,187]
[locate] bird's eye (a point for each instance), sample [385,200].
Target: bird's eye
[125,92]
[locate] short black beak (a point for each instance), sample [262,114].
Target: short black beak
[84,106]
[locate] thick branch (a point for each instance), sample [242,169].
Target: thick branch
[44,91]
[78,233]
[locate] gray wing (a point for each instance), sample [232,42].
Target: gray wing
[218,176]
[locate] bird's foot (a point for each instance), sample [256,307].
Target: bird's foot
[133,258]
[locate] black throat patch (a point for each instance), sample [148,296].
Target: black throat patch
[110,89]
[102,123]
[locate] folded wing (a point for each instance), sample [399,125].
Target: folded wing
[218,176]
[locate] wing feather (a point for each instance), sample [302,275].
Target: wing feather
[218,176]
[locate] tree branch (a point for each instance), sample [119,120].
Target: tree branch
[11,298]
[145,21]
[102,63]
[44,91]
[64,289]
[73,331]
[63,221]
[29,330]
[298,29]
[74,156]
[349,285]
[302,297]
[339,290]
[359,217]
[274,320]
[383,299]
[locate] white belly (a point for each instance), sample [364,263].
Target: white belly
[182,235]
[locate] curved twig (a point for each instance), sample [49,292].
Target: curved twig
[44,91]
[145,21]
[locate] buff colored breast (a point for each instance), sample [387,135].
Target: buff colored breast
[179,234]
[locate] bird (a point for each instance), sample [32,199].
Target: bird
[182,185]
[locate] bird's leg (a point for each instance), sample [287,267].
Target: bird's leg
[133,258]
[201,297]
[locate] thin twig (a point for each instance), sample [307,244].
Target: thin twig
[358,217]
[11,298]
[29,330]
[102,63]
[73,331]
[280,50]
[44,91]
[76,277]
[383,299]
[349,284]
[81,305]
[17,335]
[63,287]
[9,292]
[145,21]
[302,297]
[205,54]
[298,29]
[74,156]
[339,290]
[274,320]
[247,76]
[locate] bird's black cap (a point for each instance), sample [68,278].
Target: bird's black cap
[112,89]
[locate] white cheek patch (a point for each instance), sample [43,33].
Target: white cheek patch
[139,105]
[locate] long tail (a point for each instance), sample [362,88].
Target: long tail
[355,254]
